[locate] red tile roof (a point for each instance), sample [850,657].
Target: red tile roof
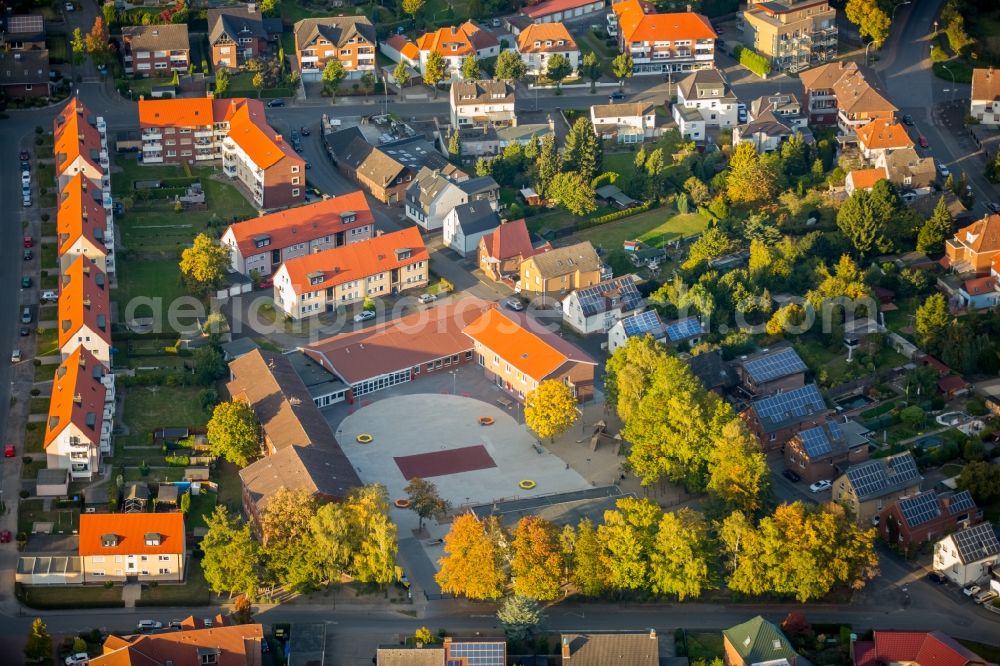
[404,46]
[186,112]
[80,214]
[510,240]
[131,529]
[864,179]
[394,345]
[981,285]
[524,343]
[883,133]
[75,137]
[951,383]
[545,38]
[922,648]
[467,37]
[982,236]
[302,223]
[637,25]
[79,376]
[238,645]
[84,301]
[553,6]
[355,261]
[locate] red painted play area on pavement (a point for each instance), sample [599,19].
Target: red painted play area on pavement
[439,463]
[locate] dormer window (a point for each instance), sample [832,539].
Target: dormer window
[403,253]
[454,47]
[315,278]
[537,43]
[153,539]
[348,217]
[261,241]
[109,540]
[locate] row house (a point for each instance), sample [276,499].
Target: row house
[868,487]
[596,309]
[912,521]
[206,641]
[502,252]
[913,647]
[432,195]
[156,50]
[844,94]
[539,42]
[84,310]
[775,419]
[238,34]
[822,453]
[456,43]
[984,104]
[141,547]
[81,146]
[24,57]
[81,415]
[475,103]
[771,371]
[974,248]
[792,34]
[385,265]
[631,122]
[175,131]
[349,39]
[557,272]
[261,244]
[84,226]
[517,353]
[664,43]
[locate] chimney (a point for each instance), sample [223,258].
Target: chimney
[565,649]
[278,138]
[77,398]
[652,634]
[252,8]
[210,94]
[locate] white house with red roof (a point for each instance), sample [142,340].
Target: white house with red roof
[84,311]
[550,11]
[83,226]
[398,48]
[455,44]
[863,179]
[81,415]
[502,251]
[881,136]
[664,43]
[343,276]
[539,42]
[145,546]
[981,293]
[263,243]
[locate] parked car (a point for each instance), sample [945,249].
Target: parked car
[80,658]
[790,475]
[495,23]
[119,208]
[148,625]
[993,207]
[8,451]
[25,282]
[427,298]
[26,316]
[4,536]
[15,356]
[265,646]
[513,304]
[363,316]
[304,131]
[24,155]
[971,590]
[267,283]
[616,96]
[820,486]
[741,112]
[28,241]
[25,165]
[922,142]
[984,596]
[49,296]
[908,120]
[25,179]
[24,331]
[27,255]
[70,7]
[295,135]
[26,201]
[275,103]
[943,170]
[937,577]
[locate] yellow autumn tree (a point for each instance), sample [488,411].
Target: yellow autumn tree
[550,409]
[472,565]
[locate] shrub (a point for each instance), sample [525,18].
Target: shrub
[617,215]
[45,217]
[24,494]
[938,54]
[753,61]
[606,178]
[178,461]
[35,392]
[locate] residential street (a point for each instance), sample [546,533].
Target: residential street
[897,599]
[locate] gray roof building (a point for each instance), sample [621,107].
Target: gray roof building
[465,93]
[235,22]
[320,470]
[789,408]
[705,84]
[564,260]
[30,67]
[476,217]
[166,37]
[338,30]
[712,370]
[772,364]
[908,170]
[616,293]
[398,655]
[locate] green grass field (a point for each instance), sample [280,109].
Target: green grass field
[166,406]
[194,591]
[33,438]
[704,645]
[655,227]
[66,597]
[151,278]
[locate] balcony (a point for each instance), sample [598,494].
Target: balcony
[152,158]
[152,134]
[204,134]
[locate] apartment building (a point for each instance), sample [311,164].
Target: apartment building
[984,104]
[24,57]
[156,50]
[974,248]
[456,43]
[84,226]
[140,547]
[270,173]
[664,43]
[792,34]
[549,11]
[236,34]
[84,311]
[482,103]
[517,353]
[263,243]
[881,136]
[200,642]
[81,146]
[844,94]
[81,415]
[349,39]
[382,266]
[539,42]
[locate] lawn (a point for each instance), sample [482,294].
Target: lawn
[45,373]
[29,470]
[621,163]
[147,410]
[48,313]
[831,368]
[72,597]
[151,278]
[194,591]
[57,46]
[30,511]
[703,645]
[655,227]
[39,406]
[47,342]
[227,475]
[33,438]
[202,505]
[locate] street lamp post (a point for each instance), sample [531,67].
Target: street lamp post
[953,83]
[866,51]
[893,15]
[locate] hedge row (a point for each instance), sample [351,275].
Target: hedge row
[66,605]
[752,60]
[608,177]
[617,215]
[179,181]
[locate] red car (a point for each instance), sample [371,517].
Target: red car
[267,283]
[4,536]
[29,241]
[8,451]
[922,141]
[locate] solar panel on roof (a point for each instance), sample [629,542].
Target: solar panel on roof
[867,478]
[477,654]
[642,323]
[876,476]
[592,299]
[920,508]
[976,542]
[683,329]
[961,502]
[798,403]
[815,442]
[774,365]
[19,24]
